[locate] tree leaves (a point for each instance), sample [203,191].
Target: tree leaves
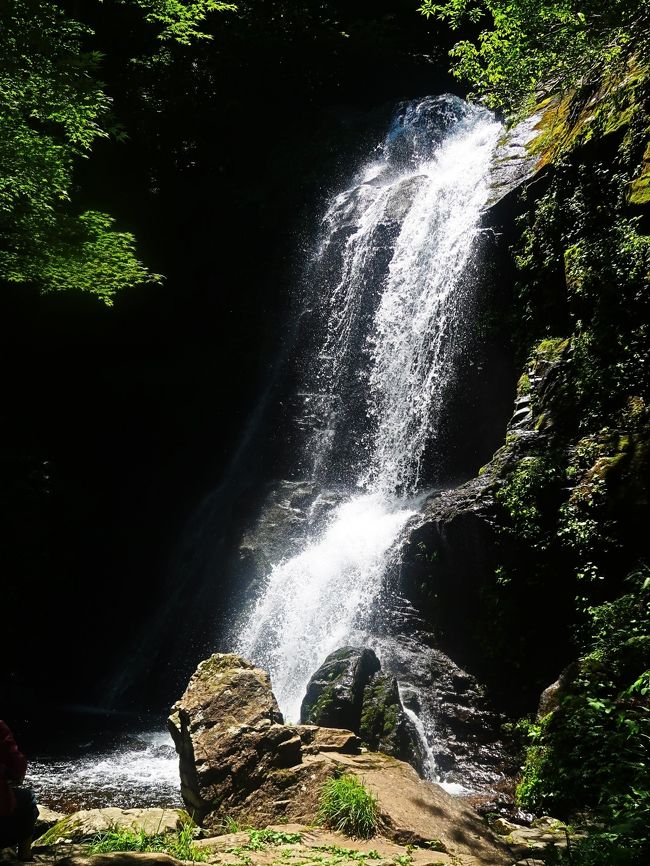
[529,47]
[54,108]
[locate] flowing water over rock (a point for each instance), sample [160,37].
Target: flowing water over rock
[138,769]
[387,307]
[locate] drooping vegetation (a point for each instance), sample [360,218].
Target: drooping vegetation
[54,110]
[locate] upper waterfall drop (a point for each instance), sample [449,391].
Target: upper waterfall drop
[386,301]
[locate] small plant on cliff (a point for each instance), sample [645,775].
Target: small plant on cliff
[347,806]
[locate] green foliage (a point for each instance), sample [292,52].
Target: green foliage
[524,492]
[179,844]
[347,806]
[54,108]
[230,825]
[528,46]
[82,253]
[259,839]
[181,20]
[349,853]
[592,751]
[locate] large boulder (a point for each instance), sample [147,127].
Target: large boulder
[87,823]
[229,735]
[334,695]
[239,762]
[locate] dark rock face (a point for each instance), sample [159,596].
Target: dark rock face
[289,512]
[384,725]
[350,691]
[335,692]
[464,739]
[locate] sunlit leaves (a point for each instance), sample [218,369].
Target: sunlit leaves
[527,47]
[181,20]
[53,108]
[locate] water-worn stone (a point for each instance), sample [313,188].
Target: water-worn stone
[236,756]
[315,739]
[120,858]
[334,695]
[88,822]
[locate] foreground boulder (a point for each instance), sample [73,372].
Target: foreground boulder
[229,735]
[83,825]
[239,762]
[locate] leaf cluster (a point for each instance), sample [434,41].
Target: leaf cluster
[55,107]
[592,751]
[179,844]
[526,48]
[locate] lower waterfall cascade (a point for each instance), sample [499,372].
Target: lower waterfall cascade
[387,294]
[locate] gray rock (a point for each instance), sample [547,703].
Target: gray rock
[89,822]
[513,164]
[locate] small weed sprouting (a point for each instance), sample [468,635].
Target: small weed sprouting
[347,854]
[258,839]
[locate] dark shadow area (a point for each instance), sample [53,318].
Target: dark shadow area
[118,423]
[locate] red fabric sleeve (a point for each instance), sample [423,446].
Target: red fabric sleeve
[11,758]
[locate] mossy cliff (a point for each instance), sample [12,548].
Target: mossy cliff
[540,560]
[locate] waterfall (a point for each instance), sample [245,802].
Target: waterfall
[386,299]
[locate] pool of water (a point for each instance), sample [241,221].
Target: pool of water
[126,770]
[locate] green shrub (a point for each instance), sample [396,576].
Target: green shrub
[591,753]
[347,806]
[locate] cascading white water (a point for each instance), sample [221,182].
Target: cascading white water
[387,280]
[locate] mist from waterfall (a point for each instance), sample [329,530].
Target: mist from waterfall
[386,293]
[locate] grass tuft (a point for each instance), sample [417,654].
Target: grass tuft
[347,806]
[179,844]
